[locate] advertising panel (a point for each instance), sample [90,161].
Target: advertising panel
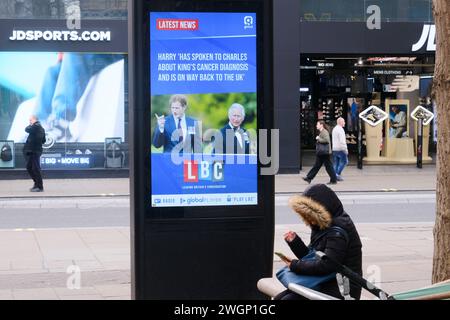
[78,97]
[204,109]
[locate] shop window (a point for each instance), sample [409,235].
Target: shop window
[56,9]
[41,8]
[77,109]
[355,10]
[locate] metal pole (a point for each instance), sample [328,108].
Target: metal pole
[419,143]
[360,144]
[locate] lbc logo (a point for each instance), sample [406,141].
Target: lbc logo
[203,170]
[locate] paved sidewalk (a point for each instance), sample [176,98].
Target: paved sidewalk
[41,262]
[34,262]
[370,179]
[396,256]
[66,188]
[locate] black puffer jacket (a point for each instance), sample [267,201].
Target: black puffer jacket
[35,140]
[321,209]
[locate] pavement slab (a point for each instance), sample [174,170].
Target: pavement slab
[397,256]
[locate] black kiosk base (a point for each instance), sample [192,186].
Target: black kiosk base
[202,227]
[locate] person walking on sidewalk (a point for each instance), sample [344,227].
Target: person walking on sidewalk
[340,150]
[323,152]
[33,151]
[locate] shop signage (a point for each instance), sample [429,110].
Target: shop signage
[394,38]
[420,113]
[54,36]
[325,64]
[392,72]
[373,116]
[67,161]
[428,37]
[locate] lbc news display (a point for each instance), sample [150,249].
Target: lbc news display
[204,109]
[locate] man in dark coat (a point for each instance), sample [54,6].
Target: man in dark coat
[235,138]
[321,209]
[33,151]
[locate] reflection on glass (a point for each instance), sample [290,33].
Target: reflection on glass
[356,10]
[58,9]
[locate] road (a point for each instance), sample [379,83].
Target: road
[375,207]
[114,212]
[42,237]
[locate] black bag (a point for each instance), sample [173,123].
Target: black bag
[322,149]
[6,153]
[112,150]
[286,276]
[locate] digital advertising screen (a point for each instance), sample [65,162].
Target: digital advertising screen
[78,97]
[203,87]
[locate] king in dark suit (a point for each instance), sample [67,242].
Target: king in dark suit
[235,138]
[187,129]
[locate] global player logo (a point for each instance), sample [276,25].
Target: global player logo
[194,171]
[248,22]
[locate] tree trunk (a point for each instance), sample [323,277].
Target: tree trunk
[441,89]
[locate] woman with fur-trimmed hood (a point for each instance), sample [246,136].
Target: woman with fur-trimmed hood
[321,209]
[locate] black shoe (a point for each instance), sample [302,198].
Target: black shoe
[37,190]
[332,182]
[306,179]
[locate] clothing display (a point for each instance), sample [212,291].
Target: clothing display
[332,109]
[308,119]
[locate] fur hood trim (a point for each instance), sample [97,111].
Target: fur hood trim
[311,211]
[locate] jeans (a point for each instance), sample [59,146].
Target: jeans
[340,160]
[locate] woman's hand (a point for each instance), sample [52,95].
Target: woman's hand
[289,236]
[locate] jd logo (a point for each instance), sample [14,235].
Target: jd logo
[428,33]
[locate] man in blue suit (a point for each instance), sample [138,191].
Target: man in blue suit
[177,129]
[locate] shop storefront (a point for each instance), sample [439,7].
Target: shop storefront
[335,34]
[353,68]
[73,76]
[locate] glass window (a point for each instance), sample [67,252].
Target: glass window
[72,93]
[355,10]
[56,9]
[79,98]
